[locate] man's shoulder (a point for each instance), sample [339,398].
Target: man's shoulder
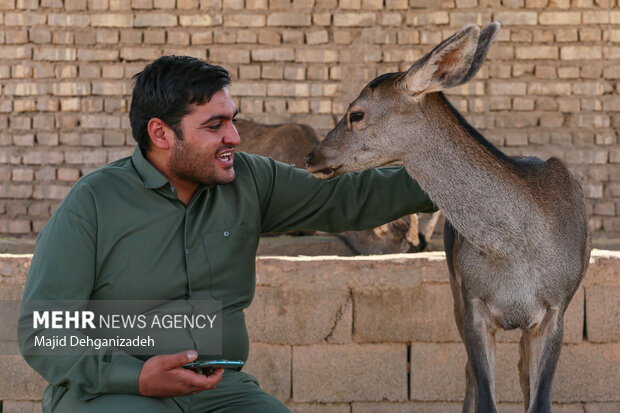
[119,169]
[101,181]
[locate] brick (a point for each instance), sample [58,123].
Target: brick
[68,20]
[559,18]
[16,52]
[432,18]
[272,72]
[50,191]
[580,52]
[140,53]
[75,4]
[25,19]
[24,105]
[279,54]
[71,88]
[38,157]
[294,325]
[537,52]
[288,89]
[317,37]
[68,174]
[112,20]
[201,20]
[517,18]
[289,19]
[507,88]
[269,37]
[597,377]
[12,406]
[602,314]
[372,4]
[347,379]
[55,54]
[393,316]
[271,365]
[322,19]
[100,4]
[354,19]
[202,38]
[109,88]
[22,175]
[602,407]
[155,19]
[97,54]
[20,122]
[256,4]
[462,18]
[232,4]
[47,139]
[350,4]
[100,121]
[316,55]
[249,88]
[592,120]
[586,157]
[292,36]
[549,88]
[244,20]
[8,380]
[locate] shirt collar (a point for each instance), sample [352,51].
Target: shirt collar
[151,177]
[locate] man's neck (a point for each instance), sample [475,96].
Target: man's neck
[185,189]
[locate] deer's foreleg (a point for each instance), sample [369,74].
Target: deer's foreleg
[480,346]
[524,367]
[545,343]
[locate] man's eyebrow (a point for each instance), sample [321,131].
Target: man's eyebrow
[218,117]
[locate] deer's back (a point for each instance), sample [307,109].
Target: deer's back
[287,143]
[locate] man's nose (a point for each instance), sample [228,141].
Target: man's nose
[232,136]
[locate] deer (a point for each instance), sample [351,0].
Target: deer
[516,235]
[288,143]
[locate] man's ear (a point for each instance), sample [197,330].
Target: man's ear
[453,62]
[160,133]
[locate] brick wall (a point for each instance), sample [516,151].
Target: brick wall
[549,87]
[377,335]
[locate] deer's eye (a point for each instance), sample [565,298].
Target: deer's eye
[356,116]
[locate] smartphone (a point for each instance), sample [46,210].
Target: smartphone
[210,366]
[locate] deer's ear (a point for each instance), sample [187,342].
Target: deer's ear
[452,62]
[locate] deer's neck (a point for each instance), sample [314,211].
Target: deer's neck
[476,186]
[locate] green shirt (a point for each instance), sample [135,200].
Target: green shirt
[123,234]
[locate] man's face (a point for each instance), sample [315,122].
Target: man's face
[205,153]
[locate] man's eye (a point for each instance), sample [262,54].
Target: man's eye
[214,127]
[356,116]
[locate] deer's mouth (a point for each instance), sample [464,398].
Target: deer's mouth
[324,173]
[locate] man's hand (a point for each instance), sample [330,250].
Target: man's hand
[164,376]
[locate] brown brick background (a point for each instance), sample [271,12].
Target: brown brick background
[549,87]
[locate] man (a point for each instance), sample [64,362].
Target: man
[180,220]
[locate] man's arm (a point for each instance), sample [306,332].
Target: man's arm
[64,267]
[292,198]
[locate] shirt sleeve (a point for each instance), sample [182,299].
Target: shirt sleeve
[292,198]
[64,268]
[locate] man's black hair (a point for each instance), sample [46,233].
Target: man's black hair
[167,87]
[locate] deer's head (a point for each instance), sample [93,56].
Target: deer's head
[390,107]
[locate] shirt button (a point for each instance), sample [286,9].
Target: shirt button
[226,233]
[186,251]
[189,294]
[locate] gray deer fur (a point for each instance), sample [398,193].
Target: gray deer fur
[517,243]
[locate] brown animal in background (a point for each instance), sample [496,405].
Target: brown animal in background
[517,241]
[289,143]
[286,143]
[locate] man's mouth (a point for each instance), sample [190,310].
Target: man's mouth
[226,156]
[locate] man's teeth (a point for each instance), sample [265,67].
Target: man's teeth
[227,156]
